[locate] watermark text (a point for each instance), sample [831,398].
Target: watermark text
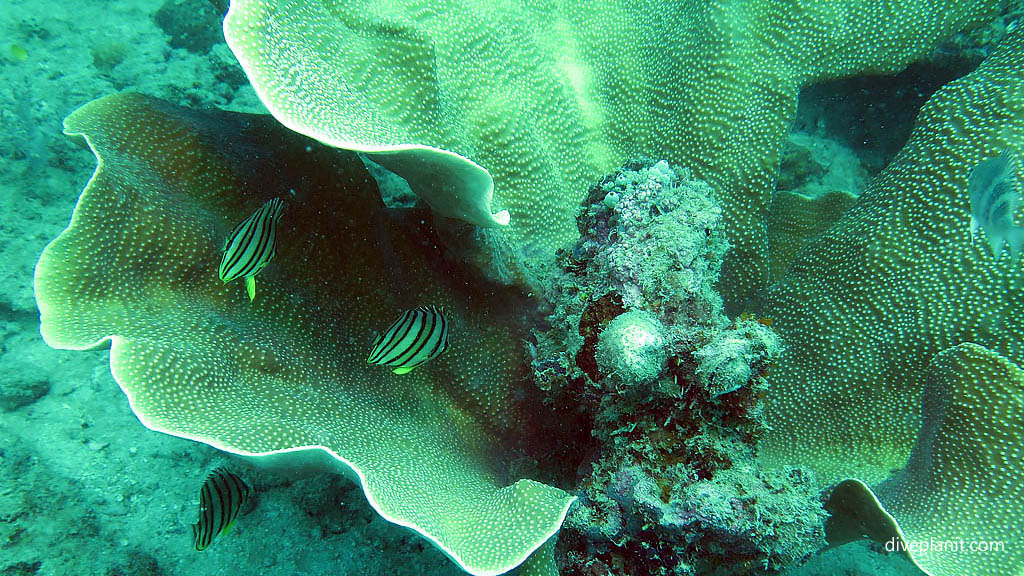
[952,545]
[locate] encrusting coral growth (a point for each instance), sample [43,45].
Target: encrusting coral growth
[632,348]
[867,307]
[671,390]
[545,96]
[287,372]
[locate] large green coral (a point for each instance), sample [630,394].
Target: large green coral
[545,96]
[957,508]
[962,483]
[866,307]
[137,267]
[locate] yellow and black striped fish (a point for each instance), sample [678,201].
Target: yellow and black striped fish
[220,500]
[251,245]
[419,335]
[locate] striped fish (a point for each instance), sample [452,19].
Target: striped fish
[419,335]
[251,245]
[992,188]
[220,500]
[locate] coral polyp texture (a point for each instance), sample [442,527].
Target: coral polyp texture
[967,458]
[639,349]
[543,97]
[137,267]
[865,308]
[971,408]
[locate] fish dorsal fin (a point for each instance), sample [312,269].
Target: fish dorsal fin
[1006,188]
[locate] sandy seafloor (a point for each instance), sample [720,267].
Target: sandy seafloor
[84,487]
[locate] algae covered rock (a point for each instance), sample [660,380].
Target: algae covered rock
[733,356]
[191,24]
[669,389]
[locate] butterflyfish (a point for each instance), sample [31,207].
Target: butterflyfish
[220,500]
[419,335]
[251,245]
[992,188]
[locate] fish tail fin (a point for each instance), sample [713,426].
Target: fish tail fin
[250,287]
[995,243]
[1015,238]
[196,543]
